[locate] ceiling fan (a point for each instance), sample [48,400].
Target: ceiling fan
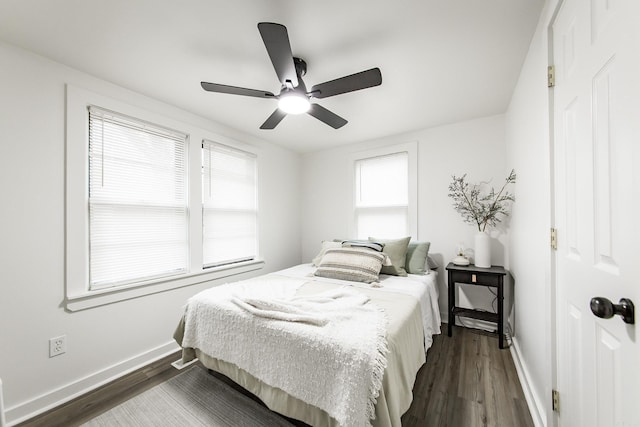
[294,97]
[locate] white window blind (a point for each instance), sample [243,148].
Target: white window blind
[229,211]
[382,196]
[138,215]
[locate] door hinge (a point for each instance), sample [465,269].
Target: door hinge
[551,76]
[555,400]
[554,238]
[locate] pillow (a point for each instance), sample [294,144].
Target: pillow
[354,264]
[432,263]
[397,251]
[323,248]
[378,247]
[416,261]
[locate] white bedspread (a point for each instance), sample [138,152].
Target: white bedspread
[346,354]
[422,287]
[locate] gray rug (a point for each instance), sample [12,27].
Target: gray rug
[192,398]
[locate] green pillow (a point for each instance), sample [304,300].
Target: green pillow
[417,253]
[397,251]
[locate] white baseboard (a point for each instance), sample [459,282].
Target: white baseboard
[470,323]
[3,421]
[536,407]
[49,400]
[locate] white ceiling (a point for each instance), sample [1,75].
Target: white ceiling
[442,61]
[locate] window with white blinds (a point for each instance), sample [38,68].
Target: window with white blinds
[138,212]
[229,205]
[381,205]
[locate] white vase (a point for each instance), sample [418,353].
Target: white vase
[482,250]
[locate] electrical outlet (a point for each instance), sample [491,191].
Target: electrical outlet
[57,345]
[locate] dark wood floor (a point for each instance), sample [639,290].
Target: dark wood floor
[466,382]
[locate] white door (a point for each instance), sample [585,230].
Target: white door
[596,122]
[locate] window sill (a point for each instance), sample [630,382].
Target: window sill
[90,299]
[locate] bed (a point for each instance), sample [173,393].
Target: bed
[296,385]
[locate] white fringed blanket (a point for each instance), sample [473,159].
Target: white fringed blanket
[328,349]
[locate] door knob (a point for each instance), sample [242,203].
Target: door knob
[605,309]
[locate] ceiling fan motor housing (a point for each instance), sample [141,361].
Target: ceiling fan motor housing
[301,66]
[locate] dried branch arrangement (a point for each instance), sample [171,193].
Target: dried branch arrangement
[476,207]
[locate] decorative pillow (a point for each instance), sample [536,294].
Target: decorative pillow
[378,247]
[354,264]
[325,245]
[397,251]
[417,253]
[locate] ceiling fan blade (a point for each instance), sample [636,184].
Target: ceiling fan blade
[273,120]
[326,116]
[233,90]
[361,80]
[276,40]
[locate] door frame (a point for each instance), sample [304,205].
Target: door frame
[553,419]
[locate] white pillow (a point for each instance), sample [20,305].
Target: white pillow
[326,244]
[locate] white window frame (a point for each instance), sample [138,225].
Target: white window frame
[411,148]
[78,296]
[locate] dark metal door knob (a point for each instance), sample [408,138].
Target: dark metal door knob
[605,309]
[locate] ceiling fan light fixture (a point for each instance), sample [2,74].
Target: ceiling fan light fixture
[294,103]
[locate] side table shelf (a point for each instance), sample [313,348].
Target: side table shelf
[472,275]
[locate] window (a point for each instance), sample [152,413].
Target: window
[136,221]
[138,227]
[385,192]
[229,206]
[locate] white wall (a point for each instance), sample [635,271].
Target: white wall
[528,149]
[106,341]
[475,147]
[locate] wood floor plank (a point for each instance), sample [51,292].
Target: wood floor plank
[470,382]
[469,414]
[441,397]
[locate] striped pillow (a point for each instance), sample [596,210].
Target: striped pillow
[353,264]
[378,247]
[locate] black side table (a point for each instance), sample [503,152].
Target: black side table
[493,277]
